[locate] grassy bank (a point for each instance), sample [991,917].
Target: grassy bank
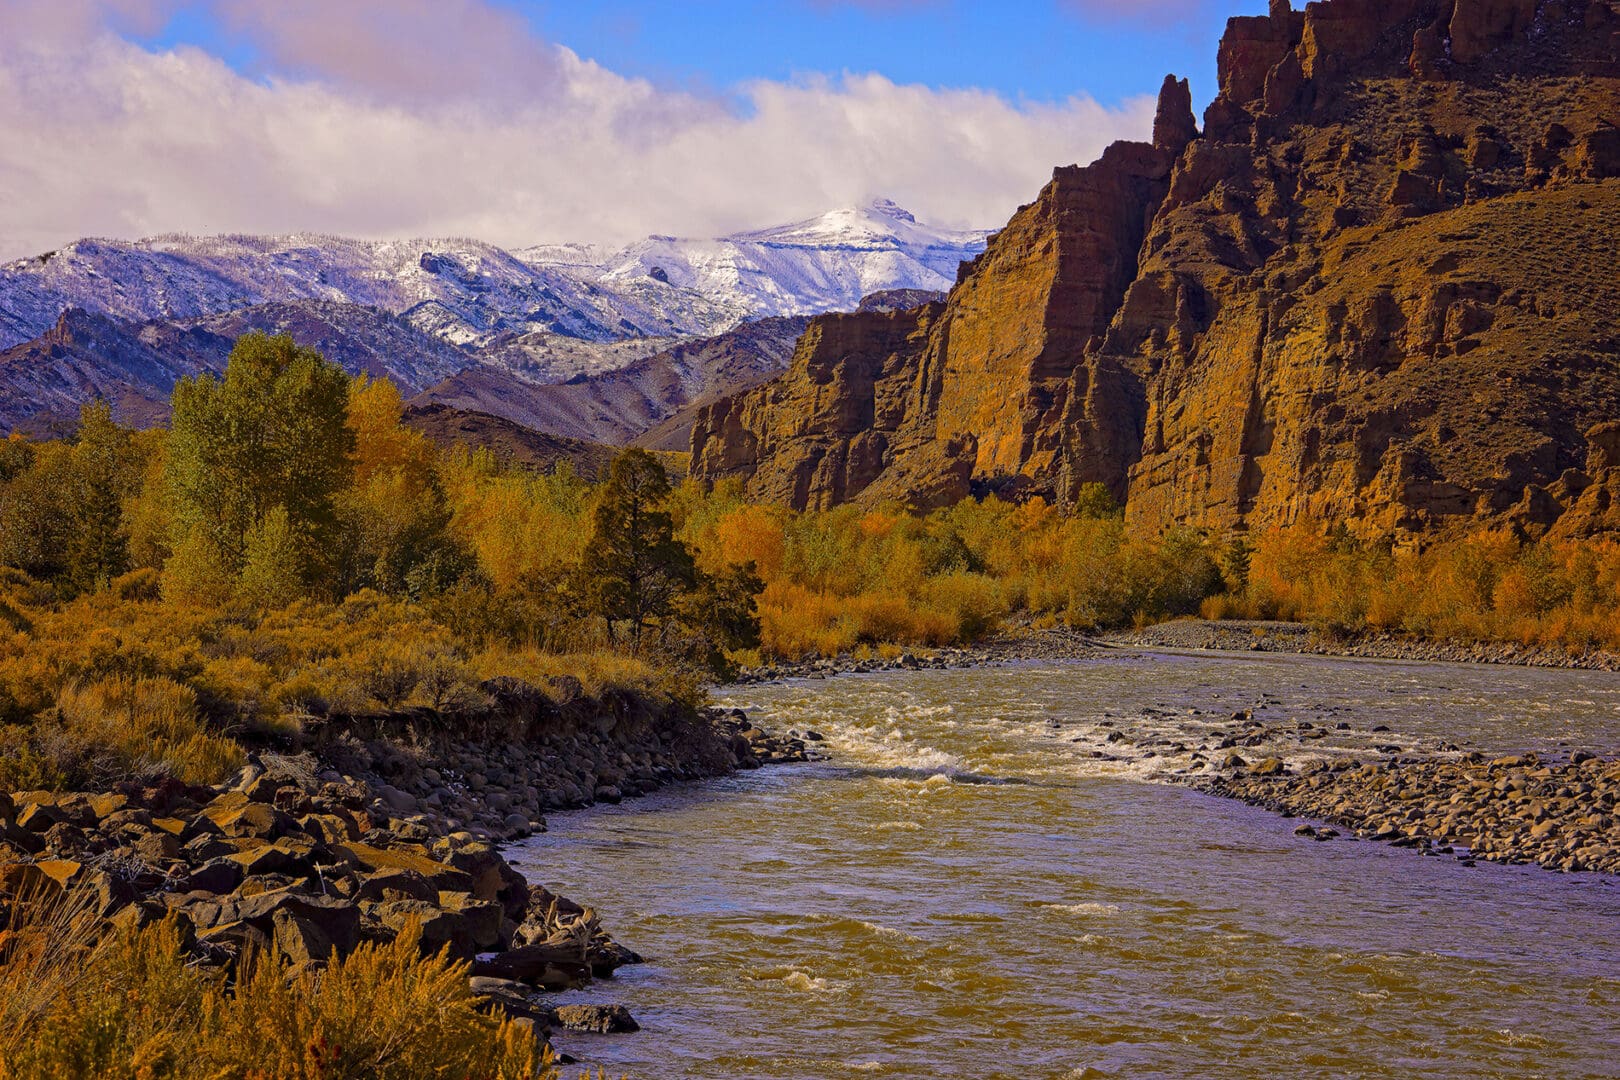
[77,1005]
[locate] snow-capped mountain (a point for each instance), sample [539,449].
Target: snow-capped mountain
[826,263]
[470,293]
[461,291]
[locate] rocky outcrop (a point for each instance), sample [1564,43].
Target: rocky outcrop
[929,404]
[1174,125]
[1478,27]
[1372,290]
[307,857]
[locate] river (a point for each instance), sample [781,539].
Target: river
[994,873]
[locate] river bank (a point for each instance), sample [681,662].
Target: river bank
[1514,809]
[1287,637]
[309,855]
[1016,643]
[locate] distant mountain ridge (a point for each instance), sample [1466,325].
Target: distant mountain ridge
[124,320]
[134,365]
[654,395]
[471,293]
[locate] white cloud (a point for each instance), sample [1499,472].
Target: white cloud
[103,137]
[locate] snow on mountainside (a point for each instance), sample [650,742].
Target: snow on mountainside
[461,291]
[469,293]
[823,264]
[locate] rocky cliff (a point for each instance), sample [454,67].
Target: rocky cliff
[1377,287]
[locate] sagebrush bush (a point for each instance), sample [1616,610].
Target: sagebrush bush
[116,728]
[132,1006]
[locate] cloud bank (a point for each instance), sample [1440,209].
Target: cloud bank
[449,117]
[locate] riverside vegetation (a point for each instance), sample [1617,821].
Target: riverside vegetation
[307,666]
[271,684]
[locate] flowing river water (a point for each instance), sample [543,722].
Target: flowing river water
[995,873]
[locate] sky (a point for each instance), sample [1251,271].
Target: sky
[537,121]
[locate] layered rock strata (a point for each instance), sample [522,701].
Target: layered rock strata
[1376,288]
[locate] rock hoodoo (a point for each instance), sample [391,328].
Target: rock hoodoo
[1375,288]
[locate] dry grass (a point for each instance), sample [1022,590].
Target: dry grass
[103,688]
[136,1008]
[47,952]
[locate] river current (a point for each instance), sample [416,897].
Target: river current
[995,873]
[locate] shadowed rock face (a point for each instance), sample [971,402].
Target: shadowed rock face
[1375,289]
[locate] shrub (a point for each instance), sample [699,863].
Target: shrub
[134,1007]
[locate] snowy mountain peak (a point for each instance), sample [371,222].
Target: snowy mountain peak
[880,222]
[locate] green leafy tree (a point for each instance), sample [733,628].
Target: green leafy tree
[273,433]
[271,571]
[1095,501]
[34,523]
[634,572]
[104,473]
[720,615]
[16,456]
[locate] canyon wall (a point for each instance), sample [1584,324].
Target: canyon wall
[1377,288]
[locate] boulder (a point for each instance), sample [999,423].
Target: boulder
[236,816]
[40,817]
[158,847]
[483,918]
[19,839]
[397,883]
[37,878]
[277,858]
[554,966]
[512,998]
[220,876]
[299,938]
[596,1019]
[369,859]
[441,929]
[233,939]
[329,828]
[338,920]
[104,806]
[492,878]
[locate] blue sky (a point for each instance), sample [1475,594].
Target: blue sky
[1036,49]
[1040,50]
[531,121]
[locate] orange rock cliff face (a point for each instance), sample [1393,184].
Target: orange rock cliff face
[1378,288]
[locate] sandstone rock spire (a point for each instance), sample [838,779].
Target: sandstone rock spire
[1174,126]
